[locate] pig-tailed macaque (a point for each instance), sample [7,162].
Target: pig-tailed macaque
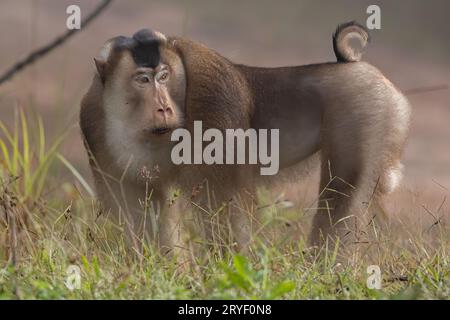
[148,86]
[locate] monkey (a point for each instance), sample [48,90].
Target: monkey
[148,85]
[141,92]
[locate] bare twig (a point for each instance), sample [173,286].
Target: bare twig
[420,90]
[39,53]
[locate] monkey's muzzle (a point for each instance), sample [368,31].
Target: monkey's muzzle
[160,131]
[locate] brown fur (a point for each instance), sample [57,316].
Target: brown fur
[348,111]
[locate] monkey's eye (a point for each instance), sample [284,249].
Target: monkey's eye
[142,78]
[162,76]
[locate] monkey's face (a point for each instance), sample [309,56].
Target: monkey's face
[147,100]
[144,96]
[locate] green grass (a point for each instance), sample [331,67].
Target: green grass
[269,275]
[54,229]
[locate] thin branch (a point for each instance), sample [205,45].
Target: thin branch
[39,53]
[420,90]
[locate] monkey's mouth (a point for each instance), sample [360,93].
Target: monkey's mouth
[160,131]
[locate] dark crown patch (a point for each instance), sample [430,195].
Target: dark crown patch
[144,47]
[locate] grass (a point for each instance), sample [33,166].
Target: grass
[44,231]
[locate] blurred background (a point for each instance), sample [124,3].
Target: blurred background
[411,49]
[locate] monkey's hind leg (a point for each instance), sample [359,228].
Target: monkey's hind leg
[351,170]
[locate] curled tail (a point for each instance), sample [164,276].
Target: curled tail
[341,41]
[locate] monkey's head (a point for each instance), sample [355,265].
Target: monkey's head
[147,86]
[143,96]
[143,85]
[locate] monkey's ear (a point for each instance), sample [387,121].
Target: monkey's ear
[100,64]
[102,58]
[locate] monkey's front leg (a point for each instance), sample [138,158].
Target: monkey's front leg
[241,214]
[172,231]
[226,220]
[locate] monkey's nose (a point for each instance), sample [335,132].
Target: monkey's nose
[165,111]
